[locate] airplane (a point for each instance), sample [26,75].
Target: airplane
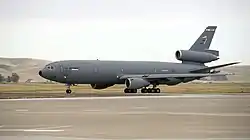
[139,75]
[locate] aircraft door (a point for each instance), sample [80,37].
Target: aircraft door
[65,71]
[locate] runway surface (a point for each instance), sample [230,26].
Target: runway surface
[145,117]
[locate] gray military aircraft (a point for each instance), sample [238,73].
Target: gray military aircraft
[139,74]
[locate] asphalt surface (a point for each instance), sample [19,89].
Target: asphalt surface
[168,117]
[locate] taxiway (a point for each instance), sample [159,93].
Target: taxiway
[143,117]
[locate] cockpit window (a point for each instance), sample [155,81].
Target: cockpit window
[50,67]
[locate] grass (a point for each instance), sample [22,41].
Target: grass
[26,90]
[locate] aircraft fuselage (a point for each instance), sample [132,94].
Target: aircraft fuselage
[106,72]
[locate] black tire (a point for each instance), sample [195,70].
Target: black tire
[158,90]
[134,91]
[143,90]
[149,90]
[154,90]
[68,91]
[126,90]
[130,90]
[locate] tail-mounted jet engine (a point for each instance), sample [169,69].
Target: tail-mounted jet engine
[196,56]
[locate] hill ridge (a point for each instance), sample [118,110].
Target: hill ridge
[26,68]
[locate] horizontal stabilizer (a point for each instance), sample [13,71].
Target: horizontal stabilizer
[213,67]
[214,52]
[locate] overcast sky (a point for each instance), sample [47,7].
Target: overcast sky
[150,30]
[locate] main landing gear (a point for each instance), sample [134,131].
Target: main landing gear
[144,90]
[150,90]
[130,90]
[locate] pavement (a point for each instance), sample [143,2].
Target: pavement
[131,118]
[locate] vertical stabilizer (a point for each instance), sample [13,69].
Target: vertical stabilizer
[205,39]
[202,44]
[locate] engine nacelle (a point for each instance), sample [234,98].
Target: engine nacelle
[195,56]
[101,86]
[136,83]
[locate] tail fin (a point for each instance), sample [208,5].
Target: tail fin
[205,39]
[203,43]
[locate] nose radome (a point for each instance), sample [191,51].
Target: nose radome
[40,73]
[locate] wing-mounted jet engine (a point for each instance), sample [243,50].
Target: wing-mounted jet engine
[132,84]
[136,83]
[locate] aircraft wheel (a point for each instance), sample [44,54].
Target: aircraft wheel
[68,91]
[143,90]
[126,90]
[130,90]
[158,90]
[134,91]
[149,90]
[153,90]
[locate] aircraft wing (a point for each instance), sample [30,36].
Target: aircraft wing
[164,76]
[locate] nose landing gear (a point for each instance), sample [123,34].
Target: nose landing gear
[68,90]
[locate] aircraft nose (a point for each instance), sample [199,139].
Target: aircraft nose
[40,73]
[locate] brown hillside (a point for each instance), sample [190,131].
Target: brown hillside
[26,68]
